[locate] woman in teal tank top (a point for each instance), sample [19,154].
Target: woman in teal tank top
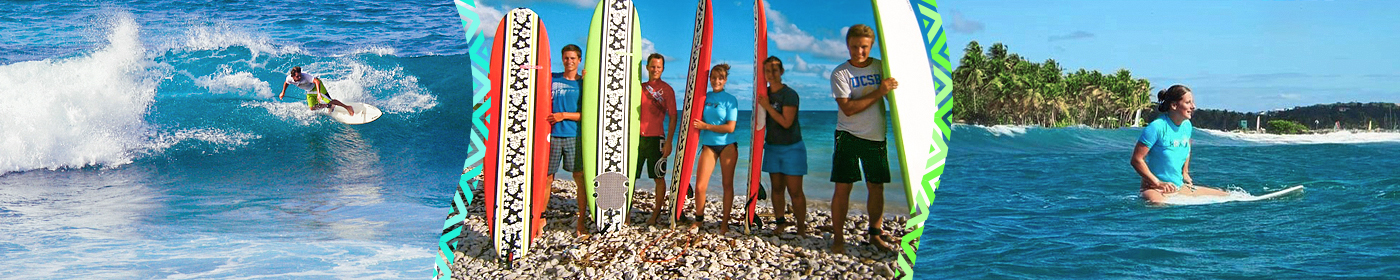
[1162,156]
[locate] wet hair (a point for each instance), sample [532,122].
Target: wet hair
[859,31]
[295,70]
[779,61]
[1168,96]
[657,56]
[572,48]
[722,69]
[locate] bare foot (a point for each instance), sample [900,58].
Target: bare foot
[782,228]
[838,247]
[879,241]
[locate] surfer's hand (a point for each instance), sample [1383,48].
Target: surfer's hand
[1166,187]
[699,124]
[665,149]
[552,118]
[760,98]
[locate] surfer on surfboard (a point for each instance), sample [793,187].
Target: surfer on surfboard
[1163,152]
[316,95]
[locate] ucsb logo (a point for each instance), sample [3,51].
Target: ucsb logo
[867,80]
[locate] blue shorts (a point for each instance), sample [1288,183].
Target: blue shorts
[788,159]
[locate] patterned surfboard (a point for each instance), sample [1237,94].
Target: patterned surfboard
[611,96]
[914,50]
[517,154]
[689,137]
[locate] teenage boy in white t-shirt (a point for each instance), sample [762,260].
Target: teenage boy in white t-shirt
[859,87]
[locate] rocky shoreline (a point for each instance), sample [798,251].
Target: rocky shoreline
[660,252]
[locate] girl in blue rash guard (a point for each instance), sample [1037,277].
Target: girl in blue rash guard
[1163,153]
[717,136]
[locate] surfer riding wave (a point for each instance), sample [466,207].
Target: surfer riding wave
[316,95]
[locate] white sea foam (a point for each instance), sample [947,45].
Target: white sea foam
[81,111]
[1338,137]
[223,36]
[1008,130]
[229,82]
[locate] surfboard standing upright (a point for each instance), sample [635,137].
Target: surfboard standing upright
[517,153]
[905,60]
[694,104]
[760,116]
[610,123]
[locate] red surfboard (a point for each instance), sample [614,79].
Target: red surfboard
[698,81]
[517,153]
[760,116]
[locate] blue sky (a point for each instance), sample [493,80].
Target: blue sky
[1238,55]
[804,34]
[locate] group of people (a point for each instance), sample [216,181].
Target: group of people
[858,86]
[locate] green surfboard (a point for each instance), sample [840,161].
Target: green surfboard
[612,92]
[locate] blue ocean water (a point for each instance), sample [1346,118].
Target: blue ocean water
[1037,203]
[144,139]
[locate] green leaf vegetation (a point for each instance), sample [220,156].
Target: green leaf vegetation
[1350,115]
[999,87]
[1286,127]
[995,87]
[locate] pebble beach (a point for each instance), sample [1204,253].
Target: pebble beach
[642,251]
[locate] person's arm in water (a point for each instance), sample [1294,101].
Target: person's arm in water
[284,90]
[1149,181]
[854,106]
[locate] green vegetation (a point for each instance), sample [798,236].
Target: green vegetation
[1351,115]
[1000,87]
[1286,127]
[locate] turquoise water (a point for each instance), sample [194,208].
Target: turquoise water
[145,140]
[1036,203]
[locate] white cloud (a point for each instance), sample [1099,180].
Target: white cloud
[490,17]
[789,37]
[963,25]
[801,65]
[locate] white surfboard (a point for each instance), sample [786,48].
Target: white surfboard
[364,113]
[1198,200]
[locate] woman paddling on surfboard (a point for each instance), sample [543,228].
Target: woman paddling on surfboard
[785,157]
[1163,153]
[316,95]
[717,136]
